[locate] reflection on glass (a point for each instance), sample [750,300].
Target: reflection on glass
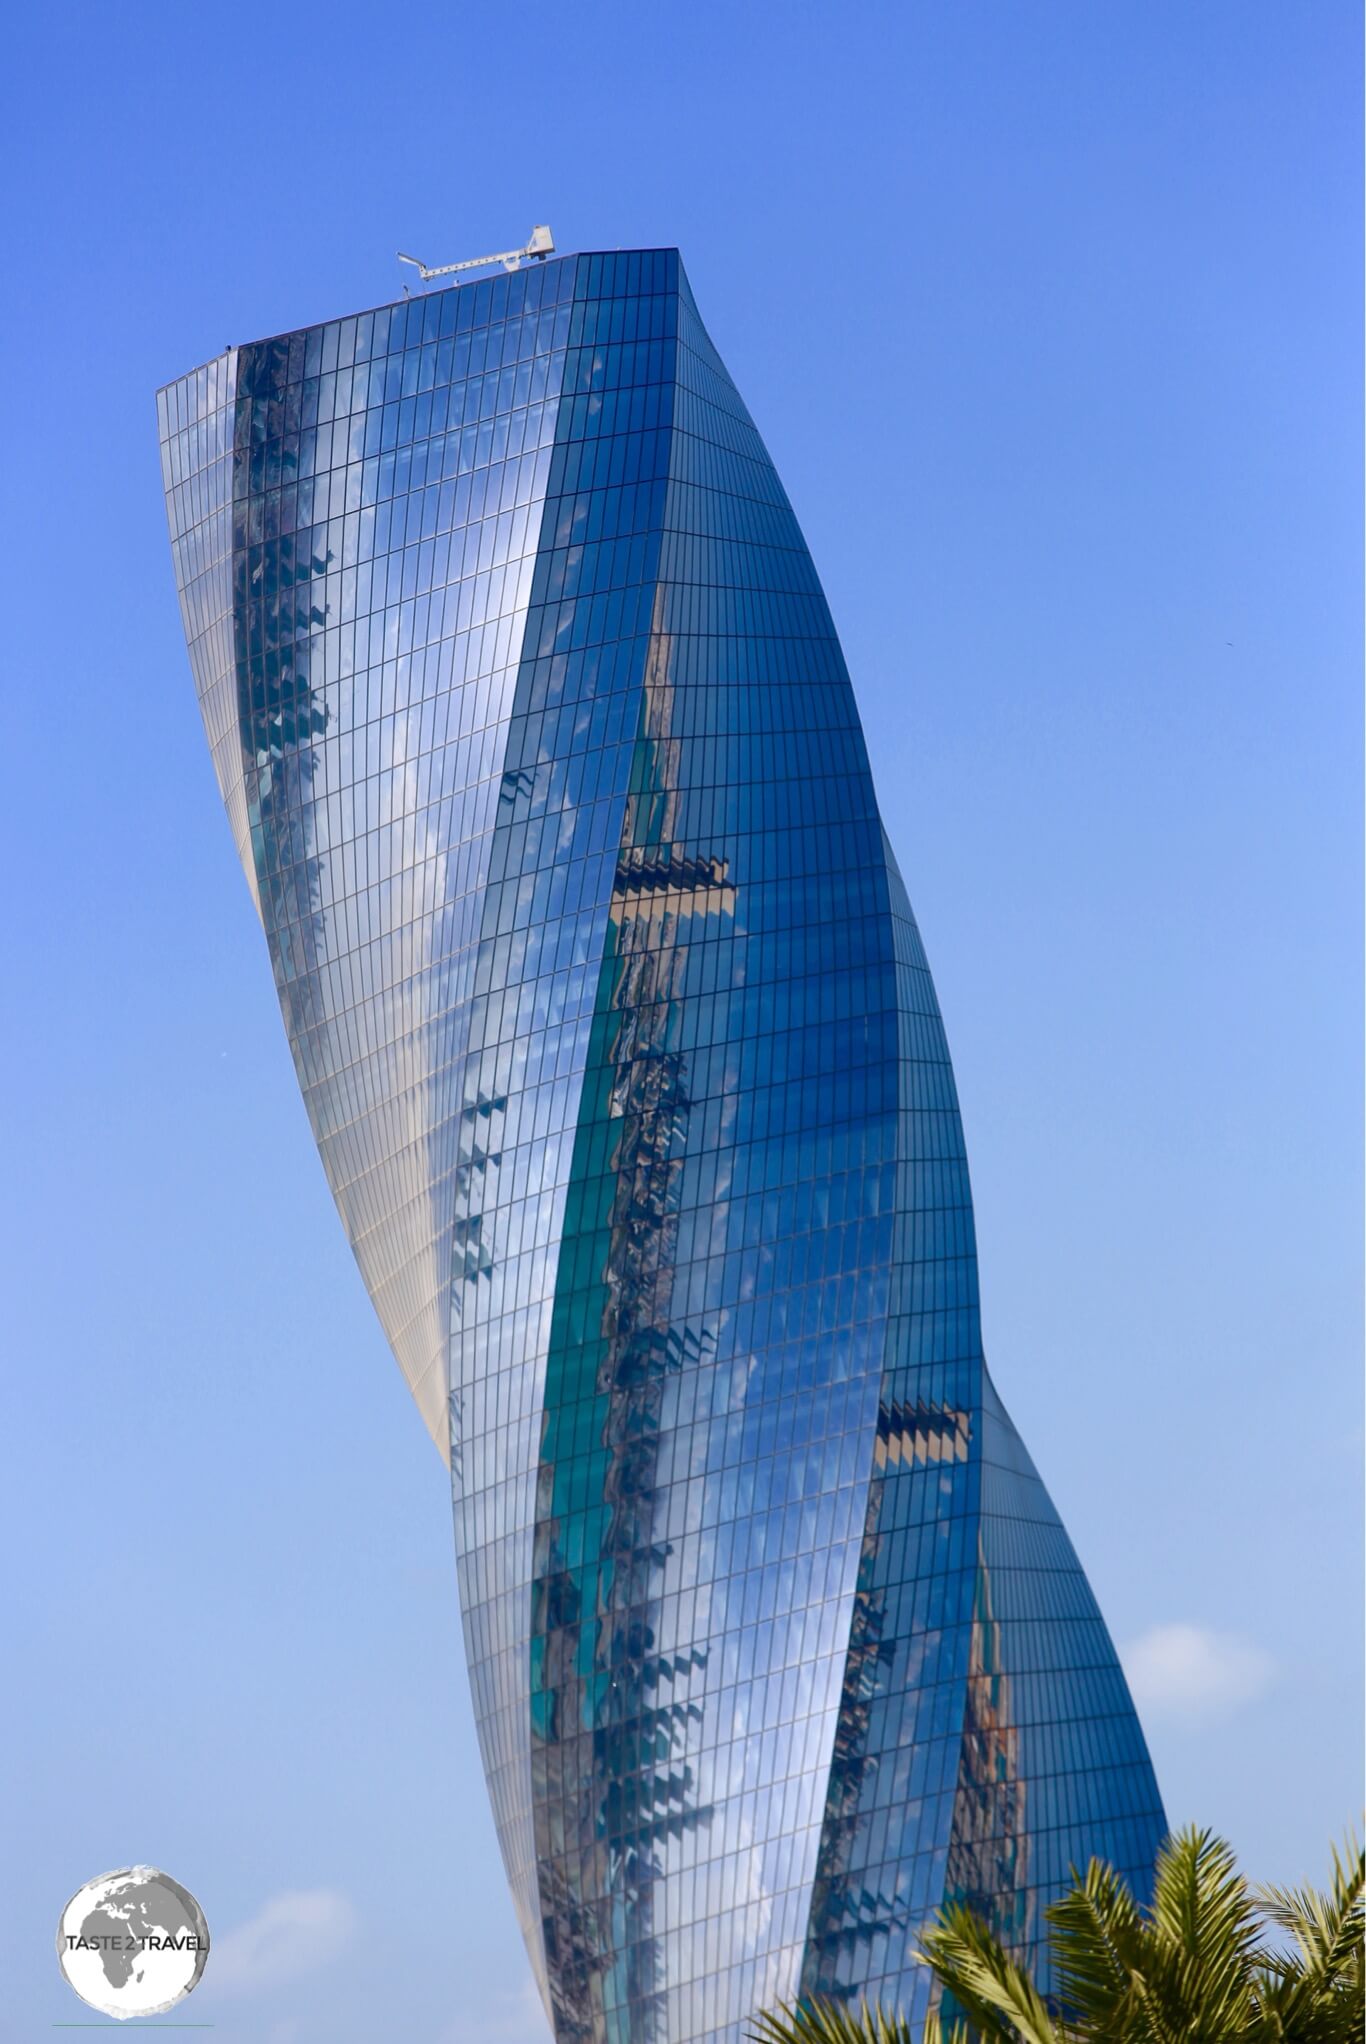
[625,1066]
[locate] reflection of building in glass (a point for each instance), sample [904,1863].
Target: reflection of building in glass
[628,1078]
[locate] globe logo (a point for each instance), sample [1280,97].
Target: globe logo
[132,1943]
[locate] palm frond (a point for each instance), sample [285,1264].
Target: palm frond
[1200,1900]
[1193,1965]
[1316,1992]
[1097,1936]
[830,2022]
[997,1996]
[1327,1928]
[1203,1940]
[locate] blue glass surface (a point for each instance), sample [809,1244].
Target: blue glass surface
[626,1070]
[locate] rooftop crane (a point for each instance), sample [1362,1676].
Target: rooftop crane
[540,245]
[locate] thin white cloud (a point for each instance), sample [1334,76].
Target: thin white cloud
[294,1933]
[1191,1671]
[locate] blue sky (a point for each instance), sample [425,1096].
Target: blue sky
[1049,314]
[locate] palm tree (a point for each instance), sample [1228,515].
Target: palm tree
[1194,1968]
[828,2022]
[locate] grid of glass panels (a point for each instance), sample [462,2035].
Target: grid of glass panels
[716,1338]
[562,793]
[371,491]
[626,1068]
[987,1742]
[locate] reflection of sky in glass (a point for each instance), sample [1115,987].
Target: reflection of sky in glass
[627,1073]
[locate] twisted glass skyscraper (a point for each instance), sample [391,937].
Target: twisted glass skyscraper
[626,1069]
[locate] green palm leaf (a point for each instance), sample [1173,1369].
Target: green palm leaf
[1098,1937]
[1326,1928]
[998,1997]
[1202,1942]
[1315,1993]
[829,2022]
[1191,1969]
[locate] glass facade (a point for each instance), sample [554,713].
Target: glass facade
[628,1078]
